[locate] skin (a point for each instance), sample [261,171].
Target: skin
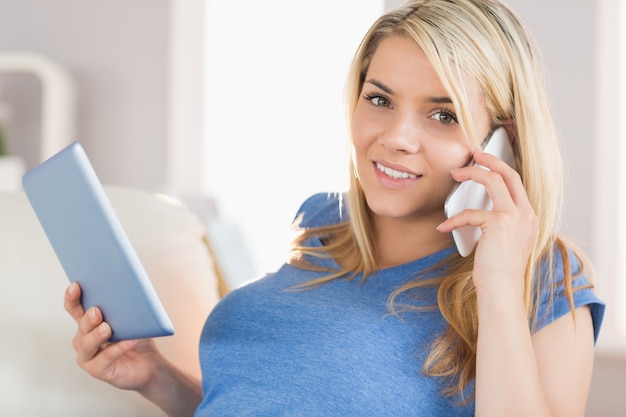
[404,120]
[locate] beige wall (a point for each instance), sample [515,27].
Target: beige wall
[117,52]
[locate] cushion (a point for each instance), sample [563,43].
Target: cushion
[39,373]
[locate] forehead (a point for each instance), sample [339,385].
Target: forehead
[401,64]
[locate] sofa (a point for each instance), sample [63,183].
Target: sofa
[38,371]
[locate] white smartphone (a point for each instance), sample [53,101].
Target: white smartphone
[472,195]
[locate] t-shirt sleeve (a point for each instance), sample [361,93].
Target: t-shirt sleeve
[555,304]
[321,209]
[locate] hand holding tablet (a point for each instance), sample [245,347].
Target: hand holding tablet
[91,245]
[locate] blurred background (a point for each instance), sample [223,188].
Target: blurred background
[237,109]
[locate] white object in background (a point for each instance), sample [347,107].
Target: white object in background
[11,167]
[58,93]
[11,170]
[231,253]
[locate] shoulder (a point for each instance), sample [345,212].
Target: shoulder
[563,273]
[322,209]
[561,263]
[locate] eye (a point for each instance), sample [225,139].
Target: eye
[378,100]
[445,117]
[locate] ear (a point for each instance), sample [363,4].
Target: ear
[511,129]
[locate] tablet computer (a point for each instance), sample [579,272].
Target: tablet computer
[91,245]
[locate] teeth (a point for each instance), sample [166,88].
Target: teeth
[393,173]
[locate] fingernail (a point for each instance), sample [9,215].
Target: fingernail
[72,288]
[92,313]
[103,329]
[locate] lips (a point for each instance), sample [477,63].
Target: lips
[394,173]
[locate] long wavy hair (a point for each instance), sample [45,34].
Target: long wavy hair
[485,42]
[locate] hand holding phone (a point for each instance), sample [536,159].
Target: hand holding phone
[472,195]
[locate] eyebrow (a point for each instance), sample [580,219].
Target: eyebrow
[380,85]
[440,100]
[388,90]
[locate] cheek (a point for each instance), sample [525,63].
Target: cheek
[363,135]
[452,157]
[360,122]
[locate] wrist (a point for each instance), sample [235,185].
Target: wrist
[175,392]
[501,290]
[496,309]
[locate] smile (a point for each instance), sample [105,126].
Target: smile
[393,173]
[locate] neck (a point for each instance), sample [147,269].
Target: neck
[400,241]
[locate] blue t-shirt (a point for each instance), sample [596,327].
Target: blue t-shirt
[270,350]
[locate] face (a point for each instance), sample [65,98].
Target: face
[405,134]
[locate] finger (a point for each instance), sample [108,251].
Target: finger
[90,320]
[93,333]
[494,183]
[467,217]
[491,162]
[101,365]
[88,344]
[114,351]
[72,303]
[511,177]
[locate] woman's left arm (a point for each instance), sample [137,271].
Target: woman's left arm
[546,374]
[517,373]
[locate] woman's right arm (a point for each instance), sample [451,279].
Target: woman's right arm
[131,364]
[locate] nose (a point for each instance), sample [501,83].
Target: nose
[402,134]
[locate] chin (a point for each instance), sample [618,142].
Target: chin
[402,206]
[390,207]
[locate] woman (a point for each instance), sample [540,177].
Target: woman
[376,313]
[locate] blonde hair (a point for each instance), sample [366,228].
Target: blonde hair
[482,41]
